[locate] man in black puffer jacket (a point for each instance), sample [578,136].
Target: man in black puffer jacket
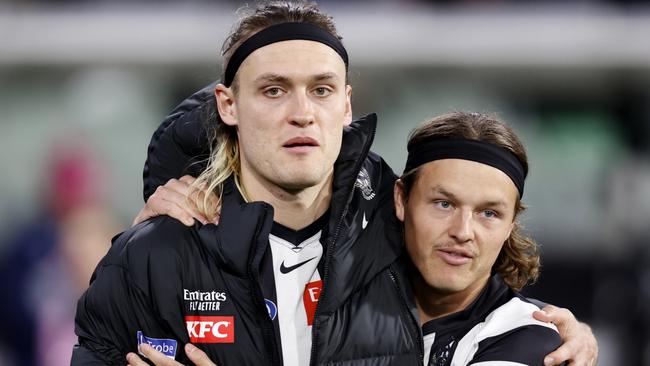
[141,285]
[249,290]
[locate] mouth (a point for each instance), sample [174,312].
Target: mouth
[455,256]
[300,144]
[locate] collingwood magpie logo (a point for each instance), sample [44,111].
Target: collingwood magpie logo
[441,356]
[363,183]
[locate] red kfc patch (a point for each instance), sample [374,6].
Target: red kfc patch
[211,329]
[310,298]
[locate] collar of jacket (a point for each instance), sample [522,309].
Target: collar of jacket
[353,255]
[356,254]
[494,294]
[242,232]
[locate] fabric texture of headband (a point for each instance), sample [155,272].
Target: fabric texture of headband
[278,33]
[474,150]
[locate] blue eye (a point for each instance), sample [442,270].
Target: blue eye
[443,204]
[490,214]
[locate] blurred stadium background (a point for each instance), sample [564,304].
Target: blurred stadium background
[83,84]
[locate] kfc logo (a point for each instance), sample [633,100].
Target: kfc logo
[211,329]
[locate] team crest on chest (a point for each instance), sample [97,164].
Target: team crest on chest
[363,183]
[442,356]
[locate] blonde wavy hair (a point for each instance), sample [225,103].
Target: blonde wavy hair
[224,156]
[518,263]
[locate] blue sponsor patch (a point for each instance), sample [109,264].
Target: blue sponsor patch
[271,308]
[165,346]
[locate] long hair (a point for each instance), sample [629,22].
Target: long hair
[224,160]
[518,262]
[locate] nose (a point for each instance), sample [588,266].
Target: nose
[302,110]
[462,226]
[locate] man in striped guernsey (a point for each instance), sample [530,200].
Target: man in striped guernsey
[459,201]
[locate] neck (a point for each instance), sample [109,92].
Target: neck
[435,303]
[295,209]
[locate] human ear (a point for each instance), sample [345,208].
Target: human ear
[398,197]
[226,105]
[348,105]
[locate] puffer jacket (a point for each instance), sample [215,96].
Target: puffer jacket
[153,274]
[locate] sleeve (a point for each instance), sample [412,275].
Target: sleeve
[526,345]
[180,144]
[129,293]
[106,317]
[83,356]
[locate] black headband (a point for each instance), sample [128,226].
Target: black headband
[474,150]
[278,33]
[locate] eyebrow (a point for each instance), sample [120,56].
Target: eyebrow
[271,77]
[495,203]
[439,190]
[280,79]
[325,76]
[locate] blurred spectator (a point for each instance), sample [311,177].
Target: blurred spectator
[48,262]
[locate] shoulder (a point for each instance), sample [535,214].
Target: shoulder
[156,235]
[515,313]
[510,333]
[156,245]
[525,345]
[134,284]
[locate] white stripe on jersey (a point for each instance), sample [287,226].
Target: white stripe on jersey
[428,342]
[513,314]
[295,299]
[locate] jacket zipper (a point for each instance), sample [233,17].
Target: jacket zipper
[330,250]
[267,324]
[413,322]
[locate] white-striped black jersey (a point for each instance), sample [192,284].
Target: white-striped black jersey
[497,329]
[291,283]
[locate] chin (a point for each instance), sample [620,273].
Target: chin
[307,177]
[447,284]
[299,182]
